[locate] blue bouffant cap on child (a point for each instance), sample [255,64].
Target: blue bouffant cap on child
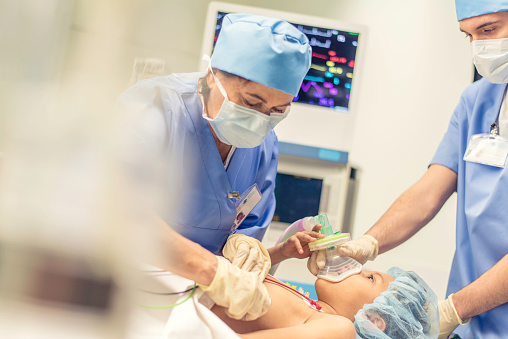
[407,309]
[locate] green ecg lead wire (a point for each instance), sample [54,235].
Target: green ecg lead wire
[173,305]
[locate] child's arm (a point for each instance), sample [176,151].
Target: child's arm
[297,246]
[325,326]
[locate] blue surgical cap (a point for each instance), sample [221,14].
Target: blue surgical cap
[408,308]
[470,8]
[266,50]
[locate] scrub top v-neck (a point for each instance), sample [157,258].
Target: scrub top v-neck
[195,183]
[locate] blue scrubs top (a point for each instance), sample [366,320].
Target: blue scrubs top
[482,203]
[195,185]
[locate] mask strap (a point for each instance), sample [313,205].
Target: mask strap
[207,59]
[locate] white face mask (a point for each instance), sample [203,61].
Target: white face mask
[491,59]
[240,126]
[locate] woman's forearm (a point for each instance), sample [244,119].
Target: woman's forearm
[185,257]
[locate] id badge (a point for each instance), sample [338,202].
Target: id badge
[248,200]
[487,149]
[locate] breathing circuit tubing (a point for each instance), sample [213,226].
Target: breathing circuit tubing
[304,224]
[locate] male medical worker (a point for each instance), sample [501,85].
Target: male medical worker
[213,133]
[471,159]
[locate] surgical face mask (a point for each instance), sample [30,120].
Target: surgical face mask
[491,59]
[240,126]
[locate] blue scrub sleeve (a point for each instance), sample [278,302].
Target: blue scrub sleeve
[142,109]
[257,221]
[447,153]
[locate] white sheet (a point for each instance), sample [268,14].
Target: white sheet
[192,319]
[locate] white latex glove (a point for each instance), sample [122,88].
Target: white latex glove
[316,261]
[363,249]
[242,293]
[448,317]
[248,254]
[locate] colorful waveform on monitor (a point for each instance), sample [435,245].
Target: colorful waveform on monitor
[329,80]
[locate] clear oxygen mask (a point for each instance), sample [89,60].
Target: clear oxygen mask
[337,268]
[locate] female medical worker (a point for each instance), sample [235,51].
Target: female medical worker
[213,134]
[471,159]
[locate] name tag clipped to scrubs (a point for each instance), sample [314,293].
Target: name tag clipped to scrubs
[248,200]
[487,149]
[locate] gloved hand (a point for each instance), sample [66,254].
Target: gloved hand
[248,254]
[242,293]
[363,249]
[317,260]
[448,317]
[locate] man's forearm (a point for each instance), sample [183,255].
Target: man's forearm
[485,293]
[414,208]
[400,222]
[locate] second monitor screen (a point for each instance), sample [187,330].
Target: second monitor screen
[296,197]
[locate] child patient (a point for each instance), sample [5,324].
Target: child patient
[396,304]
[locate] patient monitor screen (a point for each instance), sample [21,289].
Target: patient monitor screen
[296,197]
[329,80]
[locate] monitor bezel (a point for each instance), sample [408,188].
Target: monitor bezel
[308,20]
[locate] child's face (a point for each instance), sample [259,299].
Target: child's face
[348,296]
